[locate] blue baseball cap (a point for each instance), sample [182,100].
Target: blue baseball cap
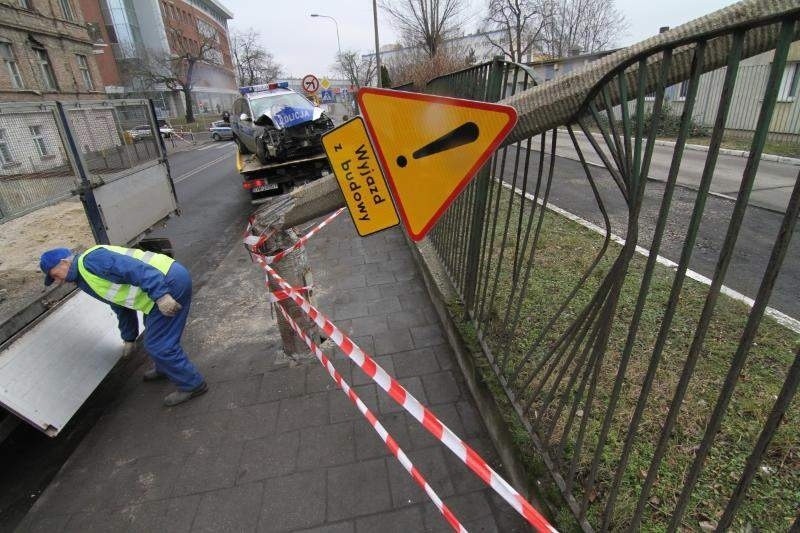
[50,259]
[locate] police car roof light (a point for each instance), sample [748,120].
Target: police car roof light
[263,87]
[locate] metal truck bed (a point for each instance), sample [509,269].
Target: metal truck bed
[50,370]
[249,164]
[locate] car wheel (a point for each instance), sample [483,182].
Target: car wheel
[215,136]
[242,148]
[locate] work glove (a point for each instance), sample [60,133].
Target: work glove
[168,306]
[128,347]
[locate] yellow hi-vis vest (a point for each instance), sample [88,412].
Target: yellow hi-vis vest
[129,296]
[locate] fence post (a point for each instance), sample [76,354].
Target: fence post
[493,93]
[85,188]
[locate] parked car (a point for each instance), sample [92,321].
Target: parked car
[278,124]
[144,131]
[140,132]
[165,129]
[221,130]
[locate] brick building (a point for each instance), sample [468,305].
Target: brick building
[46,52]
[132,30]
[46,55]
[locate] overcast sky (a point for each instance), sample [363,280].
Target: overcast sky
[306,45]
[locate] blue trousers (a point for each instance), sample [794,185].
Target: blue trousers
[162,336]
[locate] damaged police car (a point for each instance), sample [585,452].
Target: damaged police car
[277,124]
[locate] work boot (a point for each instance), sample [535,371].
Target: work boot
[153,375]
[180,396]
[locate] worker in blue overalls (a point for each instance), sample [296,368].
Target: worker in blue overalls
[133,280]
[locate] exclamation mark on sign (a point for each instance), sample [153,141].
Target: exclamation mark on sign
[464,134]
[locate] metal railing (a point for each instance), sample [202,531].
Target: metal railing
[657,396]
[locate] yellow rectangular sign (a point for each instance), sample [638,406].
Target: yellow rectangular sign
[360,177]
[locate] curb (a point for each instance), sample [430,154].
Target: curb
[735,153]
[724,151]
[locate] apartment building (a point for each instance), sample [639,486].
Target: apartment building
[132,30]
[46,52]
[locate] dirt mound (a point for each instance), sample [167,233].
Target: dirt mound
[23,239]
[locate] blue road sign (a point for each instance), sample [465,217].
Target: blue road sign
[327,96]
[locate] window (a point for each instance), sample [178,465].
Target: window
[38,140]
[5,153]
[83,66]
[7,53]
[46,73]
[790,82]
[66,7]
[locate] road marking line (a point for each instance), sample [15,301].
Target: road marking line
[201,168]
[779,317]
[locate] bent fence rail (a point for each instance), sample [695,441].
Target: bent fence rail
[656,395]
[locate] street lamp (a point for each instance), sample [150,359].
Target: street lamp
[377,46]
[315,15]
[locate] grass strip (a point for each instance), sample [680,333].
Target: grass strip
[565,250]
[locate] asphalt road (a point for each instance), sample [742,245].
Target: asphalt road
[214,207]
[772,187]
[571,191]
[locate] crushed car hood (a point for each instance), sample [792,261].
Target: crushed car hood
[289,116]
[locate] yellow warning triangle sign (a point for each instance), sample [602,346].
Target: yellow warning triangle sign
[430,147]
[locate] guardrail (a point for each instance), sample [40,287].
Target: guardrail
[655,396]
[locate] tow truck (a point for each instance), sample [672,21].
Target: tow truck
[278,134]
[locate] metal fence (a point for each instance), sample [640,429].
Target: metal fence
[37,167]
[656,396]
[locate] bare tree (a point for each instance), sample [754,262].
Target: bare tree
[357,69]
[254,64]
[425,23]
[175,69]
[585,25]
[414,66]
[517,27]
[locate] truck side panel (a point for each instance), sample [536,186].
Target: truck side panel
[132,204]
[49,371]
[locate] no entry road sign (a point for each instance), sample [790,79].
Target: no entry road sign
[310,84]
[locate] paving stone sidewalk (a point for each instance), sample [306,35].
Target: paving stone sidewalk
[279,448]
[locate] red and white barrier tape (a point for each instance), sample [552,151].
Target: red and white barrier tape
[413,406]
[280,294]
[376,425]
[254,241]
